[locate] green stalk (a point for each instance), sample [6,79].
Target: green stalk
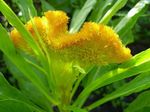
[47,61]
[77,84]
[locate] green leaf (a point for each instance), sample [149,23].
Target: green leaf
[75,109]
[36,46]
[64,5]
[97,72]
[128,38]
[140,104]
[112,11]
[46,6]
[139,83]
[38,98]
[22,65]
[78,20]
[7,92]
[5,44]
[14,20]
[91,76]
[25,6]
[127,23]
[15,106]
[99,9]
[138,64]
[26,86]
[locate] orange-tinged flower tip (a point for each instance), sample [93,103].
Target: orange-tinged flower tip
[93,44]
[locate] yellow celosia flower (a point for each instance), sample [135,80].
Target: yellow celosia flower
[93,44]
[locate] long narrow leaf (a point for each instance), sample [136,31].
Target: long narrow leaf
[140,104]
[138,64]
[14,20]
[99,9]
[78,20]
[11,105]
[117,6]
[140,83]
[21,64]
[46,6]
[24,6]
[10,93]
[126,24]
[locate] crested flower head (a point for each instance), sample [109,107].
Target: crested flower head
[93,44]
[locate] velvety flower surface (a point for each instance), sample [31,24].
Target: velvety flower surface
[93,44]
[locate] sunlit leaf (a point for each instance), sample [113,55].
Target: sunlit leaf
[21,63]
[79,19]
[117,6]
[10,105]
[127,23]
[100,9]
[139,83]
[140,104]
[9,94]
[138,64]
[25,6]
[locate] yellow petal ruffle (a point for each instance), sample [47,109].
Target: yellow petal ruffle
[93,44]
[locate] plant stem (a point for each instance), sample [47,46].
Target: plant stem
[77,84]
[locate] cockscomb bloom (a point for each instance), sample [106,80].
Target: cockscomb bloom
[93,44]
